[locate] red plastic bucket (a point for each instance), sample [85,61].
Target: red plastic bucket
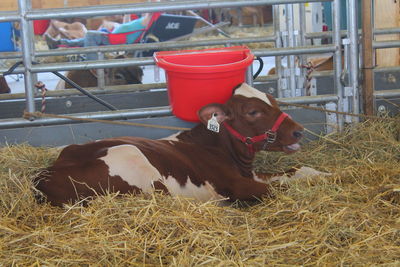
[199,77]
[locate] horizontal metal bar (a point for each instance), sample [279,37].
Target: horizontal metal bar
[387,31]
[10,55]
[294,50]
[9,16]
[151,7]
[134,114]
[127,88]
[325,73]
[385,44]
[327,34]
[165,45]
[309,99]
[387,93]
[148,46]
[84,65]
[387,69]
[113,63]
[110,115]
[155,46]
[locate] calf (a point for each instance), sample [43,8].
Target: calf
[211,161]
[4,88]
[113,76]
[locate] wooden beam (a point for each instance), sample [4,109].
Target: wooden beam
[12,5]
[387,15]
[368,58]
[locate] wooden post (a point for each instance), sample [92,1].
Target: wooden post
[387,15]
[368,58]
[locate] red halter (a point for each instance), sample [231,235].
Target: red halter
[269,136]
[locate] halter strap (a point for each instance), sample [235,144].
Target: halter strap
[269,136]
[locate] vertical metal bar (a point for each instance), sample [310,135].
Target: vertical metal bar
[303,26]
[240,16]
[249,75]
[27,53]
[302,42]
[278,44]
[354,56]
[368,58]
[336,38]
[291,42]
[101,82]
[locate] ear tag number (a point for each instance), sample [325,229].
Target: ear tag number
[213,124]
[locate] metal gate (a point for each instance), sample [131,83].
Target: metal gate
[343,85]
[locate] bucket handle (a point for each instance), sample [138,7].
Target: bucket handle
[259,67]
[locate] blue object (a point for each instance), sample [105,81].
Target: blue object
[168,26]
[343,10]
[6,43]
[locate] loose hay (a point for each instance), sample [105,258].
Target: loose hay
[237,32]
[351,218]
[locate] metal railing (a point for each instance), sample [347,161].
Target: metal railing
[346,97]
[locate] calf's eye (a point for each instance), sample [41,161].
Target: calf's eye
[253,112]
[119,76]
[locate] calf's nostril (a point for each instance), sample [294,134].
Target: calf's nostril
[297,134]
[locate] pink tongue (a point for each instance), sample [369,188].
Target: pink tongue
[293,147]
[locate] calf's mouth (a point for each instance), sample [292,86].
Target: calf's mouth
[291,148]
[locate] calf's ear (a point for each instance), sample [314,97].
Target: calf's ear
[213,110]
[272,100]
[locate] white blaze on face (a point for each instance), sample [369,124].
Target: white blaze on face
[128,162]
[201,193]
[248,91]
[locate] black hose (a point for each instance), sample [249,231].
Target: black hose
[12,68]
[259,68]
[72,83]
[83,91]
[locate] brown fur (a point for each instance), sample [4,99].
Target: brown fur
[204,156]
[113,76]
[4,89]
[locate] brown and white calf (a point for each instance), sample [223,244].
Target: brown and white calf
[113,76]
[200,163]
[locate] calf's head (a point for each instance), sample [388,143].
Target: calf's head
[254,120]
[124,75]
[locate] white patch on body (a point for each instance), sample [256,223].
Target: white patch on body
[248,91]
[201,193]
[128,162]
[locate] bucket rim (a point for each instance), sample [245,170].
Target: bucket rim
[210,50]
[161,59]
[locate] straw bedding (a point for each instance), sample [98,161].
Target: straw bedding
[238,32]
[351,218]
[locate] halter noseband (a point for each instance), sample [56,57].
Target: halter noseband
[269,136]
